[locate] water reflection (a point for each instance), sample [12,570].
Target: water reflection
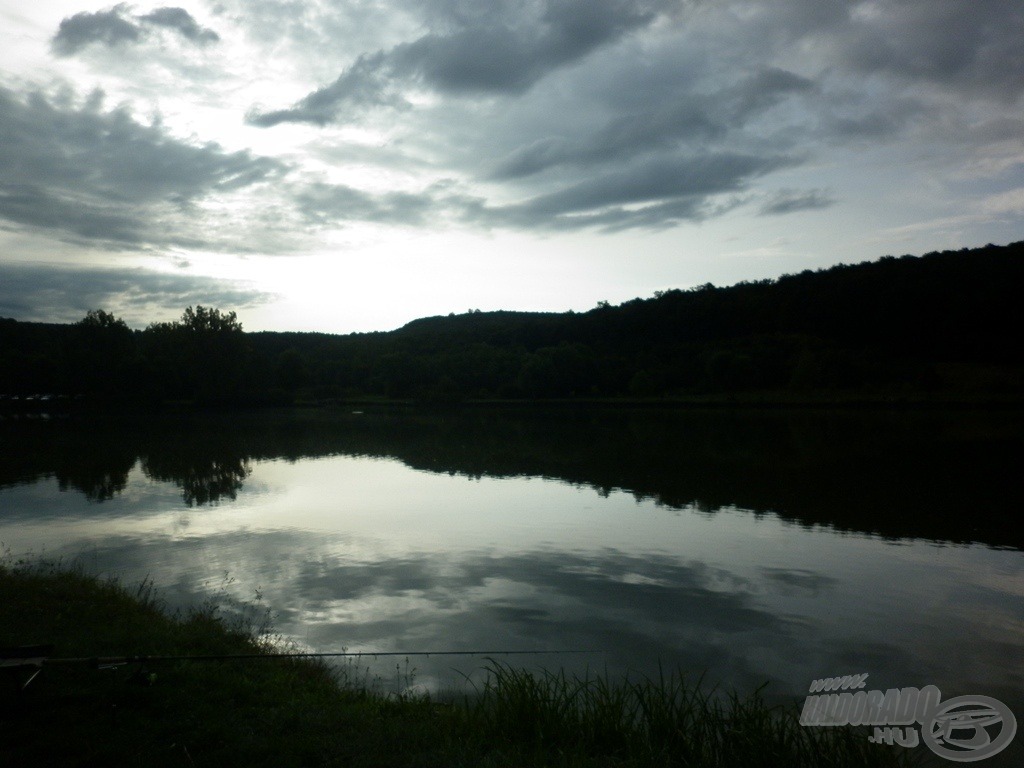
[944,477]
[100,475]
[202,479]
[754,547]
[742,622]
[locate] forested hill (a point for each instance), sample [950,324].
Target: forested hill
[941,325]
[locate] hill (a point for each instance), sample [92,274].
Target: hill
[943,325]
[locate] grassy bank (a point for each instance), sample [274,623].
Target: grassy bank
[300,712]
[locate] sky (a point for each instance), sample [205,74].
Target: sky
[351,165]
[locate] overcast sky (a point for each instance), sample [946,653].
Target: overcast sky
[350,165]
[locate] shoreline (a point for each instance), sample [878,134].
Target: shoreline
[299,712]
[774,401]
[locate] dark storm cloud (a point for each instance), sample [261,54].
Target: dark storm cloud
[681,184]
[998,129]
[667,111]
[621,138]
[499,53]
[364,84]
[974,47]
[88,174]
[969,46]
[509,59]
[789,201]
[182,22]
[660,124]
[108,28]
[117,26]
[66,293]
[652,160]
[609,114]
[35,207]
[331,203]
[761,91]
[650,194]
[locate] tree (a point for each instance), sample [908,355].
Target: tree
[202,356]
[209,320]
[216,353]
[102,355]
[290,370]
[100,319]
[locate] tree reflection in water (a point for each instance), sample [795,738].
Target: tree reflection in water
[203,480]
[896,474]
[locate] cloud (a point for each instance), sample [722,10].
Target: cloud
[659,124]
[652,157]
[37,207]
[327,204]
[366,83]
[182,22]
[650,194]
[967,46]
[791,200]
[510,57]
[664,587]
[625,114]
[65,293]
[552,115]
[654,193]
[501,53]
[795,581]
[639,612]
[108,28]
[118,26]
[973,47]
[83,173]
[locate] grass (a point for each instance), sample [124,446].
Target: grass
[303,712]
[667,721]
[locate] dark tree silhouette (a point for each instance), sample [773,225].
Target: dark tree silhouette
[102,356]
[203,356]
[944,325]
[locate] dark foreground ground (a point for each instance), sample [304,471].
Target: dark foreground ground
[301,712]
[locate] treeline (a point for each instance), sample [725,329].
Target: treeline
[204,357]
[946,323]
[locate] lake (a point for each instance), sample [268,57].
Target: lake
[751,547]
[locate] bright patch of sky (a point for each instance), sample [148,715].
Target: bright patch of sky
[350,165]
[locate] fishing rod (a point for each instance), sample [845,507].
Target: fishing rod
[29,659]
[109,661]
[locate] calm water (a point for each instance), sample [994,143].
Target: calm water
[775,547]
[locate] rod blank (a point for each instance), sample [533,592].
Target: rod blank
[101,661]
